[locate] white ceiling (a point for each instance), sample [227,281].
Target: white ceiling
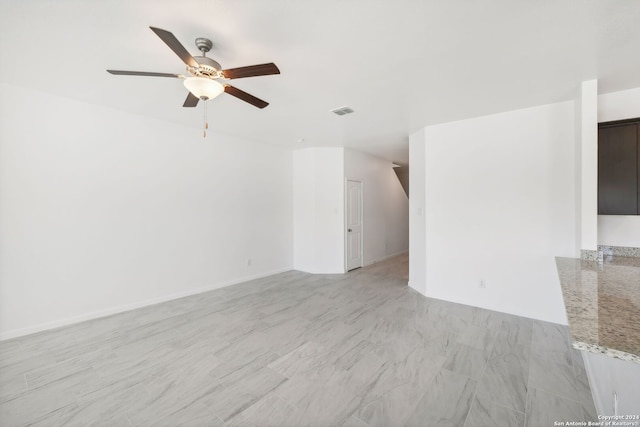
[400,64]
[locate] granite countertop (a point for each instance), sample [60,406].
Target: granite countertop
[603,304]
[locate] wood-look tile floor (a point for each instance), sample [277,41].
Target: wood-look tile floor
[360,349]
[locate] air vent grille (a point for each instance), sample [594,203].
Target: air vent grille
[342,111]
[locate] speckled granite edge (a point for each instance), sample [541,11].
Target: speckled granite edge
[592,348]
[619,251]
[588,255]
[601,301]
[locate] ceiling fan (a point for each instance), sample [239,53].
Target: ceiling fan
[206,77]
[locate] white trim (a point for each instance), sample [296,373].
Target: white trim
[127,307]
[412,286]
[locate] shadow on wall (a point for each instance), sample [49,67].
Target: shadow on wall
[402,172]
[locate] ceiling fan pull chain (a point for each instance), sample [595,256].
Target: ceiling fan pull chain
[206,125]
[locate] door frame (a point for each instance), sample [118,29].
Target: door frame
[346,219]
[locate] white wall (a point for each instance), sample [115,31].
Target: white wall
[386,206]
[619,105]
[101,211]
[417,231]
[499,206]
[319,176]
[318,210]
[618,230]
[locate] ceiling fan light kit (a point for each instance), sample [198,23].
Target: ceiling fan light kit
[204,73]
[203,88]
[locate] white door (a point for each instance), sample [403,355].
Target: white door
[354,224]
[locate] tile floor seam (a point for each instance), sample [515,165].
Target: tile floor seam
[419,399]
[128,419]
[361,420]
[527,410]
[475,392]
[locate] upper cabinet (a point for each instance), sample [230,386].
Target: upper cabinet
[619,168]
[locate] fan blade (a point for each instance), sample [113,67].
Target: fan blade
[143,73]
[175,46]
[240,94]
[191,100]
[251,71]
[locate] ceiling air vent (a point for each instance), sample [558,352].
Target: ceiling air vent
[342,111]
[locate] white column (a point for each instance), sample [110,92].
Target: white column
[589,165]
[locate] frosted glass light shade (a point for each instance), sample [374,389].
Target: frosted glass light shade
[203,87]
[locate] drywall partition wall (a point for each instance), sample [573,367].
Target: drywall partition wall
[417,231]
[304,210]
[588,185]
[386,206]
[102,210]
[619,230]
[499,206]
[318,210]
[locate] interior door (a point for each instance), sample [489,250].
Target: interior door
[354,225]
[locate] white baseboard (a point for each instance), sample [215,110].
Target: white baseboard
[127,307]
[415,287]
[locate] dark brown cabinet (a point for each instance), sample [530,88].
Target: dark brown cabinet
[618,168]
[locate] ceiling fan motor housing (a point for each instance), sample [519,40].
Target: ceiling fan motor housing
[207,67]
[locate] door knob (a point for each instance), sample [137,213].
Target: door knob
[349,230]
